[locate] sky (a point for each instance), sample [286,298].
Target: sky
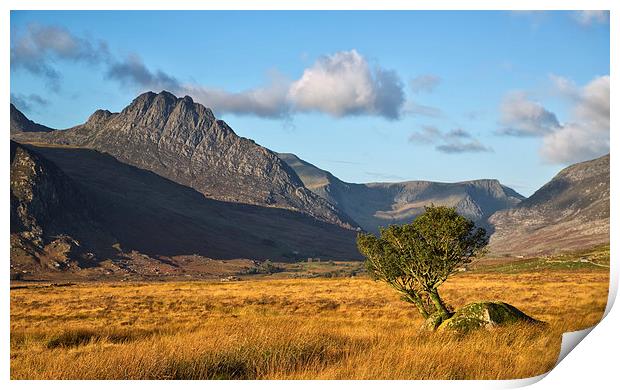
[370,96]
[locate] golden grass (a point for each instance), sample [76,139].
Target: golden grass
[350,328]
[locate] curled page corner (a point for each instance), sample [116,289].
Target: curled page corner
[517,383]
[570,341]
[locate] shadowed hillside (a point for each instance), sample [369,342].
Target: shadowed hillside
[54,224]
[156,216]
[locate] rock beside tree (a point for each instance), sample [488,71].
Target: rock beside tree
[479,315]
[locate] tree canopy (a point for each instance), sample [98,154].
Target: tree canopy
[416,258]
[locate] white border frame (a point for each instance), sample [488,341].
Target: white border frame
[594,362]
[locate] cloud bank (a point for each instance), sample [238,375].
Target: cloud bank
[38,48]
[132,71]
[523,117]
[340,84]
[584,136]
[269,101]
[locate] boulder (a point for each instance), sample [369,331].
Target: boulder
[485,315]
[432,322]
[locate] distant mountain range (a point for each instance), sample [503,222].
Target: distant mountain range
[373,205]
[164,177]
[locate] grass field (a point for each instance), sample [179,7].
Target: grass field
[286,328]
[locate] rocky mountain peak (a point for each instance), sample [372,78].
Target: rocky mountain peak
[156,110]
[99,118]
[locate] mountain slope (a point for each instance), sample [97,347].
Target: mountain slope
[184,142]
[569,212]
[379,204]
[157,217]
[52,223]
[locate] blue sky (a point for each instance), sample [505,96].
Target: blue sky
[369,96]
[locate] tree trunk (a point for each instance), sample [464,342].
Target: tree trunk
[434,294]
[417,301]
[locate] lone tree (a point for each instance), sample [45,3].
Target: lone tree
[416,258]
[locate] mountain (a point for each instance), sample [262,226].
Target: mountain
[21,124]
[160,219]
[569,212]
[165,178]
[373,205]
[181,140]
[53,225]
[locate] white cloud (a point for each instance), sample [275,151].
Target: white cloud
[459,133]
[520,116]
[564,87]
[574,143]
[593,103]
[584,18]
[584,136]
[587,135]
[344,84]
